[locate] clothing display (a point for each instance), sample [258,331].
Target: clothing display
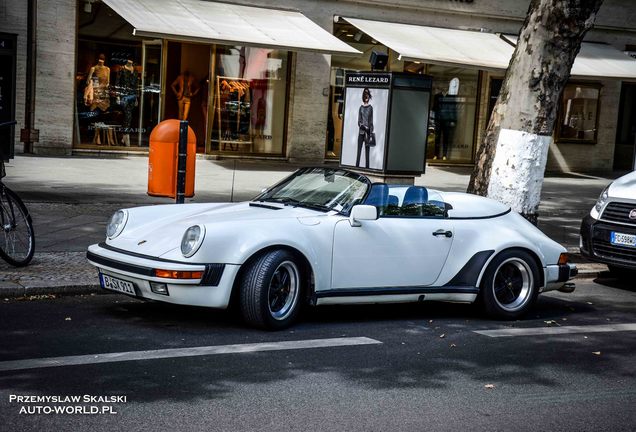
[127,96]
[233,109]
[96,93]
[445,108]
[185,88]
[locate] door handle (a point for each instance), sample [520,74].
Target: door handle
[441,232]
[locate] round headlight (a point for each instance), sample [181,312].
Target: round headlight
[116,224]
[600,202]
[192,240]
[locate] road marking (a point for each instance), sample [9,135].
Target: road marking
[557,330]
[182,352]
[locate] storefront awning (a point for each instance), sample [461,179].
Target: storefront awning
[597,60]
[439,45]
[223,23]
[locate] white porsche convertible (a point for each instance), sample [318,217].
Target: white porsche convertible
[327,236]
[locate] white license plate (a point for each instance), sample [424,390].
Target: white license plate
[622,239]
[116,284]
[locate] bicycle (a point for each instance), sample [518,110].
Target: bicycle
[17,238]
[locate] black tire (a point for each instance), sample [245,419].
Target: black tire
[621,272]
[271,290]
[510,285]
[17,238]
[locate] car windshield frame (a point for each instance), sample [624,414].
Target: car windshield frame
[297,191]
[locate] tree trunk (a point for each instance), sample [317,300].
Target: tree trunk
[510,163]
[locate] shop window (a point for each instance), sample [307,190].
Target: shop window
[249,103]
[578,113]
[112,85]
[452,118]
[187,72]
[625,150]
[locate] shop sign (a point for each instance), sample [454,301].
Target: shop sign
[377,80]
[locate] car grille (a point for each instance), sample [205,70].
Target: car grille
[607,250]
[619,212]
[602,247]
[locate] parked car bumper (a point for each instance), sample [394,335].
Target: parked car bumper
[596,246]
[212,288]
[556,276]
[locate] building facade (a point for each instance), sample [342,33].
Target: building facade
[104,76]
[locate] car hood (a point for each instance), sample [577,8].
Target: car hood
[624,187]
[157,230]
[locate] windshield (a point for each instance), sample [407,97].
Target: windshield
[319,188]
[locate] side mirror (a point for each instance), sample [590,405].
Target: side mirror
[362,212]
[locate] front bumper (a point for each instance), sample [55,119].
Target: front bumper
[211,290]
[595,243]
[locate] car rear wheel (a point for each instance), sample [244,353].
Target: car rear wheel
[510,285]
[270,290]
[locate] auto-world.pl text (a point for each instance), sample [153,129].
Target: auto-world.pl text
[70,404]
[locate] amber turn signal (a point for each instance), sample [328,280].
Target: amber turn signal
[174,274]
[563,259]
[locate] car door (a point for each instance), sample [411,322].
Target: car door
[399,249]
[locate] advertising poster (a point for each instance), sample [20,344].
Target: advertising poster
[365,120]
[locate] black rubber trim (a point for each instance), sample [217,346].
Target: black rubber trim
[148,257]
[469,274]
[131,268]
[362,292]
[480,217]
[212,275]
[566,273]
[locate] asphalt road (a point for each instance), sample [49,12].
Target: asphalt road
[398,367]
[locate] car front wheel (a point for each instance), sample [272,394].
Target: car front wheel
[621,273]
[510,285]
[270,290]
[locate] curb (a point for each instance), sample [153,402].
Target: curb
[20,291]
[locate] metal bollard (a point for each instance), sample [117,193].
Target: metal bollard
[181,161]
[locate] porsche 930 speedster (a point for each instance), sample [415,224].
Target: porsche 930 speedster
[331,236]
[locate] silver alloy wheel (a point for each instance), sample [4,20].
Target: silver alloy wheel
[283,290]
[512,284]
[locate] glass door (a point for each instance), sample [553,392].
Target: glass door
[150,100]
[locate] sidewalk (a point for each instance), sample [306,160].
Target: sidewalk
[71,200]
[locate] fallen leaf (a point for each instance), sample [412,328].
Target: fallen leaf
[67,319]
[596,352]
[589,303]
[430,321]
[442,335]
[453,345]
[489,386]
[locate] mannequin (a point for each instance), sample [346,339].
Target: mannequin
[184,88]
[127,85]
[445,108]
[97,86]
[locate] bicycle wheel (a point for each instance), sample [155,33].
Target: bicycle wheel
[17,239]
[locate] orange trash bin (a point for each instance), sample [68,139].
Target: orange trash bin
[163,160]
